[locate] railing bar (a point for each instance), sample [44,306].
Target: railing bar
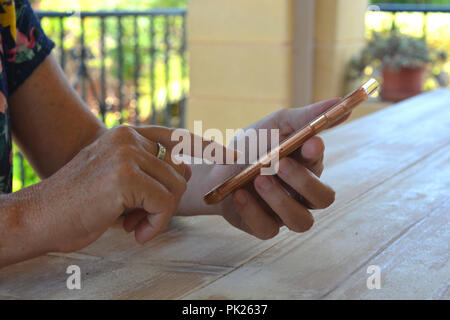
[85,14]
[425,25]
[136,69]
[120,66]
[62,55]
[102,70]
[394,21]
[167,71]
[22,168]
[83,70]
[152,71]
[183,74]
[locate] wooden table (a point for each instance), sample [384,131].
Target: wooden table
[391,171]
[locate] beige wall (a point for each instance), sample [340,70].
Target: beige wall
[339,34]
[249,58]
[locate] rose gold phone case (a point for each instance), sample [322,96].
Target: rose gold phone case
[294,142]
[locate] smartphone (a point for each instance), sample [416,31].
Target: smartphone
[294,142]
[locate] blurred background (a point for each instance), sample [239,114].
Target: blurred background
[231,62]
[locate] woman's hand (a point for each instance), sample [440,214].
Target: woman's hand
[270,201]
[117,173]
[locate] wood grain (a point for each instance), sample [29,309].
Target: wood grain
[45,278]
[415,266]
[206,240]
[311,266]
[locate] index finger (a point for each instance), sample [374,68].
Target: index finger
[184,142]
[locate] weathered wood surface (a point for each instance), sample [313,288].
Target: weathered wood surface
[391,171]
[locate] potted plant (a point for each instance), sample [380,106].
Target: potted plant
[402,61]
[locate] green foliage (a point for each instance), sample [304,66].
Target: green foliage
[394,51]
[22,167]
[92,35]
[178,78]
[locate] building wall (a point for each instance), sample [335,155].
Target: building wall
[249,58]
[339,34]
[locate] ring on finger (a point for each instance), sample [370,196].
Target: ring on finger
[161,154]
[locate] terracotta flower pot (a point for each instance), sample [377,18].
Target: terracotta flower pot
[402,84]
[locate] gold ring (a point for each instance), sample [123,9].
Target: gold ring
[161,155]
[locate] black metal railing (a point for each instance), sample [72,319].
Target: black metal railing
[421,6]
[129,66]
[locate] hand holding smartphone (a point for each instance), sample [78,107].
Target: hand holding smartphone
[294,142]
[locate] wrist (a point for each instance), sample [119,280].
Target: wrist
[40,222]
[24,227]
[201,182]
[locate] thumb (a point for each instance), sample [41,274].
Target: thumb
[297,118]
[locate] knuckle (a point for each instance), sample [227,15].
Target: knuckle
[124,133]
[178,182]
[178,167]
[302,172]
[172,201]
[299,175]
[288,163]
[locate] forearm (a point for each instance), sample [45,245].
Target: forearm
[24,230]
[50,122]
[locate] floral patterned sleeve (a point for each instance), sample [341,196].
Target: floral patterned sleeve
[23,47]
[26,48]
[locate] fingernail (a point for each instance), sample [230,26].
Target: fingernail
[241,199]
[286,167]
[265,184]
